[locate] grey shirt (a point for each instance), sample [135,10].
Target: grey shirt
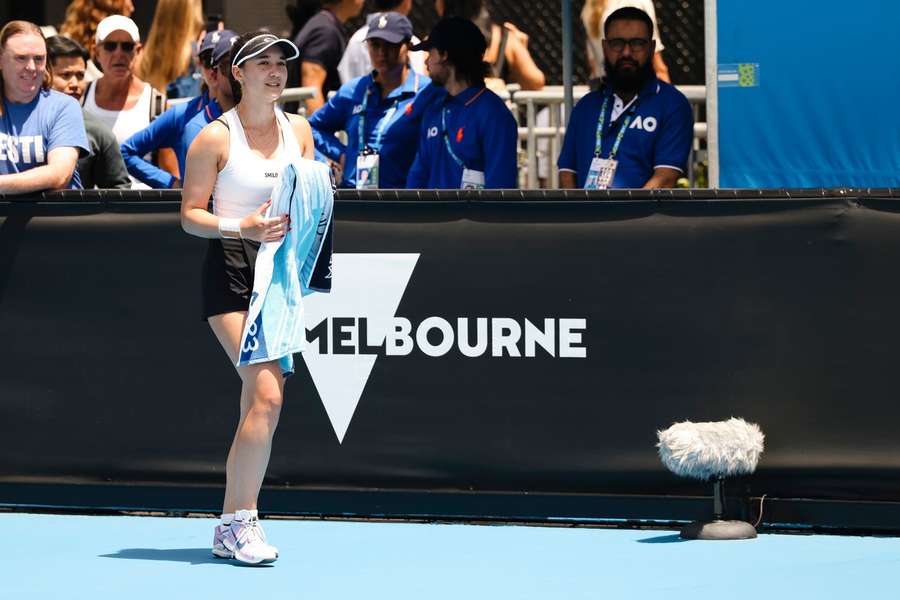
[104,167]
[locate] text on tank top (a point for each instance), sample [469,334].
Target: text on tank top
[247,179]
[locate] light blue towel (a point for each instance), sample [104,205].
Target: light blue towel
[295,266]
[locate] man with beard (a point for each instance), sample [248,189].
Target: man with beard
[635,131]
[468,137]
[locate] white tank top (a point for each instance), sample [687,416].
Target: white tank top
[123,123]
[247,179]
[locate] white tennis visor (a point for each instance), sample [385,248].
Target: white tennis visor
[259,44]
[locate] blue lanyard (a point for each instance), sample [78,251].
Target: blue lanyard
[598,144]
[447,139]
[444,127]
[381,127]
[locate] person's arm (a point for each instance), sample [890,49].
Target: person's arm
[327,120]
[659,65]
[522,67]
[499,145]
[566,162]
[673,145]
[160,133]
[567,180]
[168,162]
[204,158]
[417,177]
[313,75]
[663,177]
[55,175]
[304,135]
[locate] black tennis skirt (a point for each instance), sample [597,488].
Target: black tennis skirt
[228,276]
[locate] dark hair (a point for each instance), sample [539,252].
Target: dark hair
[239,43]
[300,13]
[63,47]
[467,9]
[385,5]
[629,13]
[469,67]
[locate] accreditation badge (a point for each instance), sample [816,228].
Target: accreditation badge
[472,180]
[367,171]
[600,175]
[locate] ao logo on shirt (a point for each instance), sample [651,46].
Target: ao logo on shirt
[25,150]
[432,132]
[647,124]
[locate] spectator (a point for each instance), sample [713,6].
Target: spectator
[103,167]
[381,112]
[120,99]
[82,18]
[167,62]
[356,62]
[648,120]
[595,13]
[170,129]
[218,77]
[507,46]
[321,42]
[468,137]
[41,130]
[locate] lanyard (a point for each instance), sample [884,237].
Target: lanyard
[444,127]
[382,124]
[599,142]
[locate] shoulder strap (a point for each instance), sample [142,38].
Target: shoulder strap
[157,103]
[86,90]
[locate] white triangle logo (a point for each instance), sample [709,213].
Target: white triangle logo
[364,285]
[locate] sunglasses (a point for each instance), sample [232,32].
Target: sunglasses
[127,47]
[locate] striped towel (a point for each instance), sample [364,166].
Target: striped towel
[295,266]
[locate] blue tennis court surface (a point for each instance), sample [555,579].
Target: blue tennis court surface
[99,557]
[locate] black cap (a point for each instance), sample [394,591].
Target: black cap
[390,26]
[456,35]
[224,42]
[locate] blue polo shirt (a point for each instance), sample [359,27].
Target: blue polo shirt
[659,135]
[192,128]
[166,131]
[344,111]
[481,132]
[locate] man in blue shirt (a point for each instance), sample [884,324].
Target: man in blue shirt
[169,129]
[41,130]
[636,131]
[380,112]
[468,138]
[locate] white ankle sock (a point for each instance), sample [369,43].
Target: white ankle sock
[227,518]
[246,514]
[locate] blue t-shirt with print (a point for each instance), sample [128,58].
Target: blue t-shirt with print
[659,134]
[30,131]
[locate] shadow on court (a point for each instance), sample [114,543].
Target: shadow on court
[672,538]
[194,556]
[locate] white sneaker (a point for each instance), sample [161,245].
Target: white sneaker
[218,548]
[246,540]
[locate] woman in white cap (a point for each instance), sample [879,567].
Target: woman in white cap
[120,99]
[236,159]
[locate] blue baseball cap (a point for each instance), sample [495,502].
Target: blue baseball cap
[389,26]
[223,45]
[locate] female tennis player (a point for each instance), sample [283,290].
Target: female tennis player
[236,160]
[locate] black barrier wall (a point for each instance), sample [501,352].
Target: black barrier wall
[472,342]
